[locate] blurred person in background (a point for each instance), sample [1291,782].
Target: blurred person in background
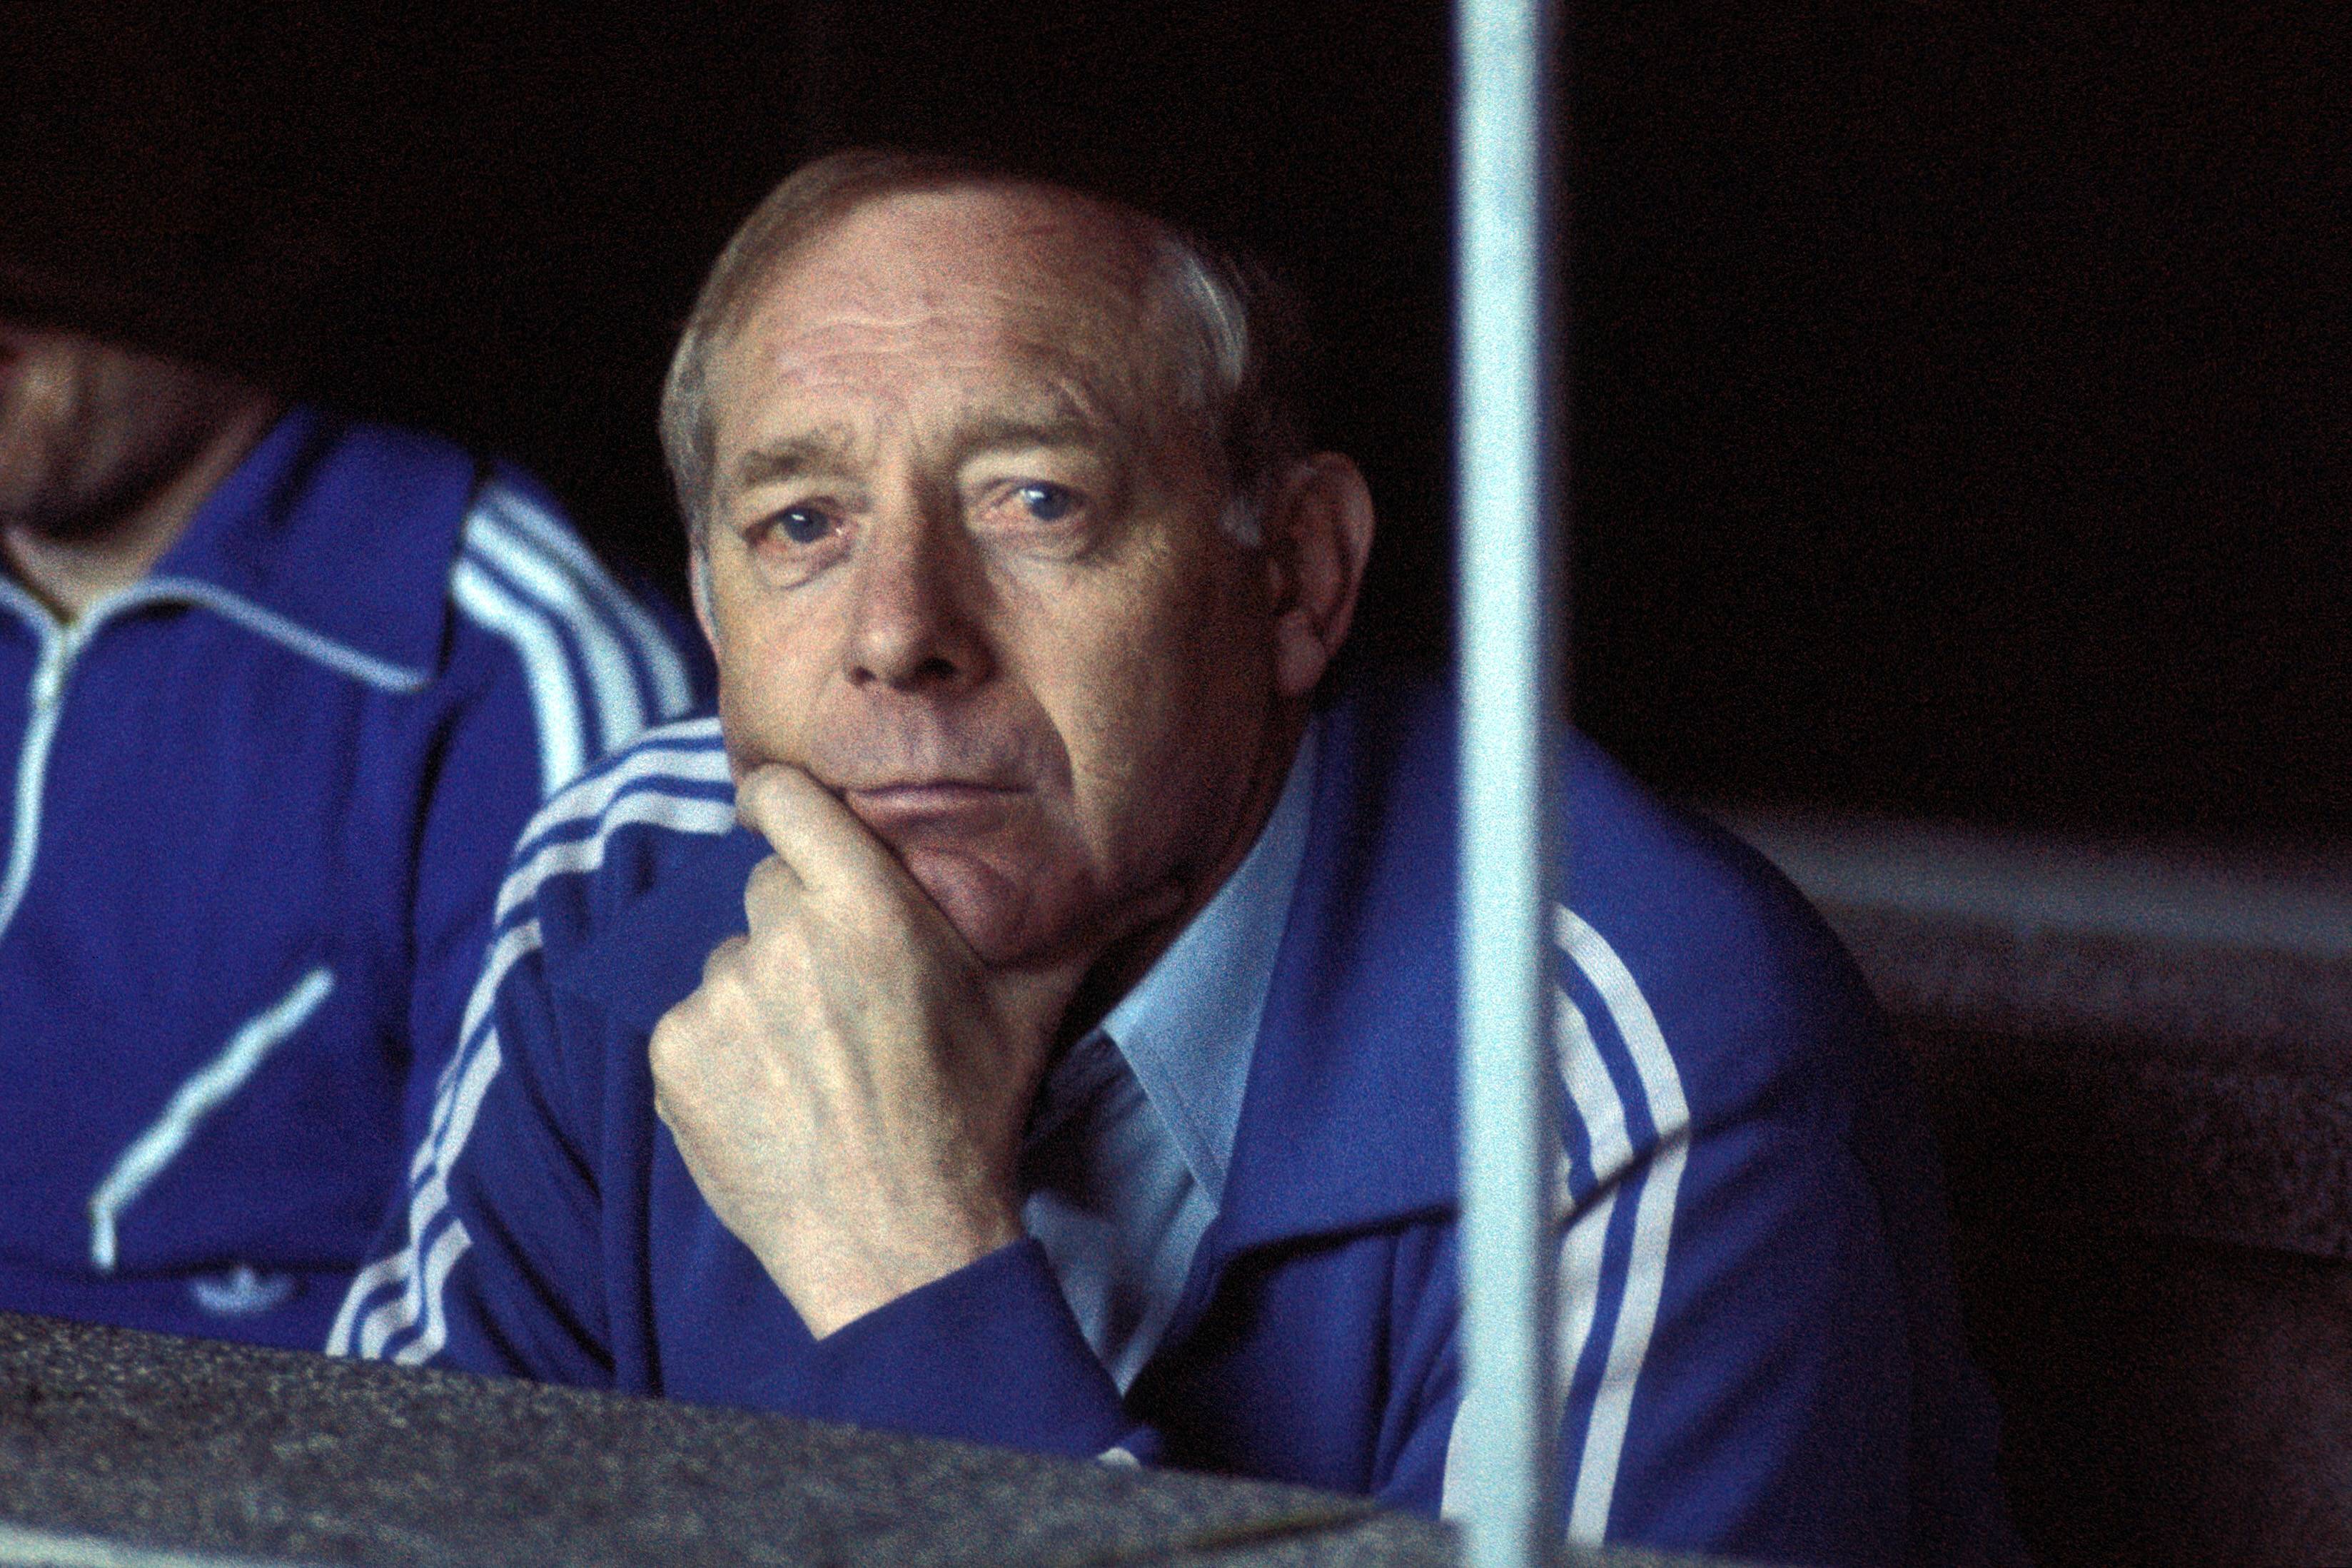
[278,690]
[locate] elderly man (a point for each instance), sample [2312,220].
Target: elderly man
[1025,1015]
[281,689]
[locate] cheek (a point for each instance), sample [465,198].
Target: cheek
[1163,713]
[38,408]
[765,687]
[60,446]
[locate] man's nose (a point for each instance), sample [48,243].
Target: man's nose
[917,621]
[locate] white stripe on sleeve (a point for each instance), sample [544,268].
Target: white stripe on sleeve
[1594,1099]
[1654,1219]
[673,692]
[563,743]
[447,1248]
[405,1291]
[508,949]
[543,858]
[572,856]
[620,712]
[431,1198]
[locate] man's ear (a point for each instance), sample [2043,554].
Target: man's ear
[1318,535]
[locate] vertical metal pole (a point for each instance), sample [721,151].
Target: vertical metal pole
[1507,496]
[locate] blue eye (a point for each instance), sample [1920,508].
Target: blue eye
[802,524]
[1048,503]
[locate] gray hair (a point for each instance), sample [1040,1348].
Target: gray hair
[1241,346]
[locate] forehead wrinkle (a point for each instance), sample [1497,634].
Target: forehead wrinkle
[798,341]
[1057,415]
[1047,251]
[1029,390]
[837,302]
[980,277]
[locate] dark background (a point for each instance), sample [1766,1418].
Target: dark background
[1959,393]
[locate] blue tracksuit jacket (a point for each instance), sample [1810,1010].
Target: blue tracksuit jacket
[259,806]
[1759,1323]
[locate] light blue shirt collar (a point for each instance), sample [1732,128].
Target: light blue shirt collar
[1189,1026]
[1125,1158]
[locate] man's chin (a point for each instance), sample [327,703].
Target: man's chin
[988,909]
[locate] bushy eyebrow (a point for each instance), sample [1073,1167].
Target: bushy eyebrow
[824,451]
[1000,433]
[1057,423]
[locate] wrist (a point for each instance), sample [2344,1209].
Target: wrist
[837,1286]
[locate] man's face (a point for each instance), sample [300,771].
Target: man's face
[963,565]
[88,429]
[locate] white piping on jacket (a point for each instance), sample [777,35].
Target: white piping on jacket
[197,1098]
[33,767]
[673,692]
[403,1291]
[364,667]
[620,712]
[1654,1219]
[562,746]
[1594,1099]
[62,642]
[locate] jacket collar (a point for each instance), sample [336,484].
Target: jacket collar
[1349,1118]
[335,538]
[1189,1027]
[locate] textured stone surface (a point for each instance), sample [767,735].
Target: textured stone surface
[124,1445]
[2140,1058]
[2148,1038]
[187,1444]
[2273,1011]
[2126,1139]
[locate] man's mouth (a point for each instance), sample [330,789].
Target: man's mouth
[934,806]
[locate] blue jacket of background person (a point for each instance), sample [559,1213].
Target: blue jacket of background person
[1759,1327]
[259,806]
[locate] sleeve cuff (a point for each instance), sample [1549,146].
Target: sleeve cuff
[989,1354]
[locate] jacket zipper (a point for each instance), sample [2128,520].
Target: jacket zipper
[62,642]
[59,645]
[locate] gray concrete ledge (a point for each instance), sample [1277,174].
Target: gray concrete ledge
[120,1449]
[2234,958]
[143,1441]
[2139,1060]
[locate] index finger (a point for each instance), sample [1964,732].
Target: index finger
[816,837]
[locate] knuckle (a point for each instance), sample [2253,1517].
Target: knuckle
[725,961]
[666,1052]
